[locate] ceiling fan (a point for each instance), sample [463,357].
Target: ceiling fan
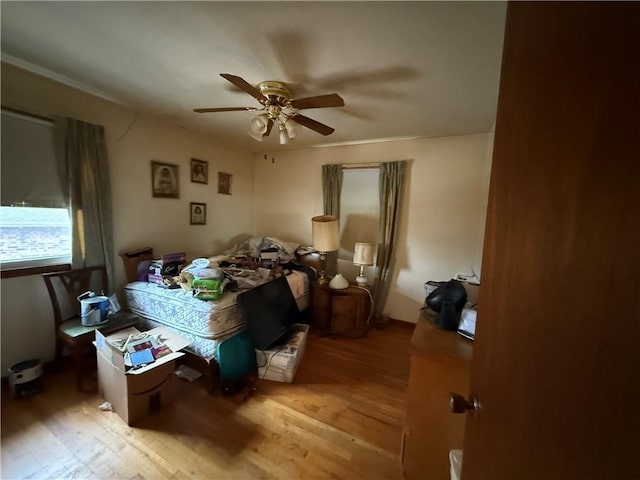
[277,106]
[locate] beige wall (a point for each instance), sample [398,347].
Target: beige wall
[133,140]
[441,227]
[442,219]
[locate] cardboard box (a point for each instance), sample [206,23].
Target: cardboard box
[280,364]
[132,260]
[154,277]
[135,392]
[169,265]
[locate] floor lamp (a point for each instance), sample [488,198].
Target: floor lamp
[325,239]
[363,257]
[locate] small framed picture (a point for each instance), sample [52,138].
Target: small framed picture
[198,213]
[199,171]
[164,180]
[224,183]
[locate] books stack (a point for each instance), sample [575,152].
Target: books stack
[162,270]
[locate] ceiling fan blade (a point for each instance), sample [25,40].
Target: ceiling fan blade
[224,109]
[269,125]
[245,86]
[330,100]
[312,124]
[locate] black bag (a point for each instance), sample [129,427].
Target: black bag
[447,301]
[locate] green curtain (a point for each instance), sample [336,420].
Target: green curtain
[331,188]
[84,172]
[391,191]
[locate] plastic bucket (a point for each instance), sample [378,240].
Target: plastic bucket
[94,310]
[25,377]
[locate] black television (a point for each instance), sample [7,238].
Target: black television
[270,310]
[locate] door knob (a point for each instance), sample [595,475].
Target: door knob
[459,404]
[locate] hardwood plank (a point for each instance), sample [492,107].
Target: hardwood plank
[341,418]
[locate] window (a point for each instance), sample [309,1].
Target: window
[34,236]
[359,209]
[35,228]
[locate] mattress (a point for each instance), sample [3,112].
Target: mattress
[205,323]
[179,309]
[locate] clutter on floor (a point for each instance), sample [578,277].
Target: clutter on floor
[280,363]
[136,369]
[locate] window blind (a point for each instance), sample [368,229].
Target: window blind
[29,170]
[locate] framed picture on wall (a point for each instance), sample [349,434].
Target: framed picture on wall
[198,213]
[224,183]
[199,171]
[164,180]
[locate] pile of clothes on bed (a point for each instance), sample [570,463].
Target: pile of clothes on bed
[248,264]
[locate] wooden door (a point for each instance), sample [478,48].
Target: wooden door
[556,364]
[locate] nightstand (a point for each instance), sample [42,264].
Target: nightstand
[342,312]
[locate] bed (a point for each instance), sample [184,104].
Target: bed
[208,323]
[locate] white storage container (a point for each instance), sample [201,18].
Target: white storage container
[25,377]
[455,460]
[280,364]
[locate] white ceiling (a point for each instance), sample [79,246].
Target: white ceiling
[404,69]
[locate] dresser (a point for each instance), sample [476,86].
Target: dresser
[440,363]
[345,311]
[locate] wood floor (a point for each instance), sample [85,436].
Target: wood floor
[340,418]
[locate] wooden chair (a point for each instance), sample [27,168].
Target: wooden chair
[64,287]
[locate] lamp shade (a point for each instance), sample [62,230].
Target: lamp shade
[258,126]
[284,139]
[363,254]
[325,233]
[292,128]
[338,282]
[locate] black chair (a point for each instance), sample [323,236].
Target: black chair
[64,287]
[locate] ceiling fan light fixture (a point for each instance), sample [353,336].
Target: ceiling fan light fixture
[291,128]
[256,136]
[258,126]
[278,107]
[284,138]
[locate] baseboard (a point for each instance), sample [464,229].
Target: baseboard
[384,322]
[402,323]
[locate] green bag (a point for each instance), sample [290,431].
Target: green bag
[207,288]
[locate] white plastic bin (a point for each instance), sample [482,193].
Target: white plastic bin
[280,364]
[455,460]
[25,377]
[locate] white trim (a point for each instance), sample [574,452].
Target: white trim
[373,140]
[26,116]
[56,77]
[35,262]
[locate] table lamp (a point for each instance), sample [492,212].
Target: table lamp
[325,239]
[363,257]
